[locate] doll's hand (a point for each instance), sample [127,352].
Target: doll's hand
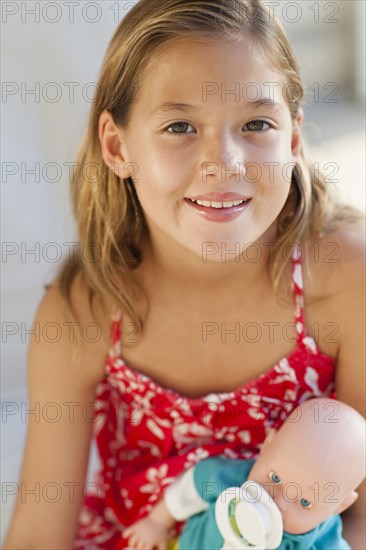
[147,534]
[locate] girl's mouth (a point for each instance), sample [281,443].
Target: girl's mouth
[218,211]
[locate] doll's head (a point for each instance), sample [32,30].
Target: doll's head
[313,464]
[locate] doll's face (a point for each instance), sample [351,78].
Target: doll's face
[303,496]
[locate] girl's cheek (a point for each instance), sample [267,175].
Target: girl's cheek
[274,159]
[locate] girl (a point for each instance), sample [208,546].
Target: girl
[200,224]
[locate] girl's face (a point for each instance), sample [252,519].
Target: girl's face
[233,134]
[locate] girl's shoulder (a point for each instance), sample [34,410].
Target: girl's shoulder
[334,264]
[345,277]
[95,326]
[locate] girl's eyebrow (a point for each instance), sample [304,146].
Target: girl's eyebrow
[169,106]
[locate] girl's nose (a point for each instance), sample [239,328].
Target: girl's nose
[223,158]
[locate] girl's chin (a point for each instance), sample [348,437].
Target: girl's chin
[214,252]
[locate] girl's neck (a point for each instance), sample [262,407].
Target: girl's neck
[169,267]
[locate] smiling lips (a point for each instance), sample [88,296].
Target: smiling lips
[226,204]
[220,197]
[219,201]
[219,211]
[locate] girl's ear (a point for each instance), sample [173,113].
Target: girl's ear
[111,146]
[296,134]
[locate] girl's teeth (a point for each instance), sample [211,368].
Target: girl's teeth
[218,204]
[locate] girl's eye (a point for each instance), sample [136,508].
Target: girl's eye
[257,125]
[274,478]
[253,126]
[178,124]
[305,503]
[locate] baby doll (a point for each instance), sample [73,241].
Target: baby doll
[303,479]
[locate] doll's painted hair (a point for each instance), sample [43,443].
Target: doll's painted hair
[110,220]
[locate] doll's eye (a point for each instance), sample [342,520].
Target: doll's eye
[274,478]
[305,503]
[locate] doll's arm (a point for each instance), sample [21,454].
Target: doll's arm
[182,498]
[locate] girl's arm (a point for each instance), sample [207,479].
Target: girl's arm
[351,360]
[56,452]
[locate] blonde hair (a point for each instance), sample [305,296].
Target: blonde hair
[110,220]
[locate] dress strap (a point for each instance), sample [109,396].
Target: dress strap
[298,294]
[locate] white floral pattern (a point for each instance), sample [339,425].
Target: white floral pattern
[157,478]
[195,456]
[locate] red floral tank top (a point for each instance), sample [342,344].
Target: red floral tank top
[147,434]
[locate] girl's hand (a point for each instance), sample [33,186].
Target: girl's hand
[147,534]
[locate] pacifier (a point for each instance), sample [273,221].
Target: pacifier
[247,517]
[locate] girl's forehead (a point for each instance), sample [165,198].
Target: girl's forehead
[194,66]
[189,51]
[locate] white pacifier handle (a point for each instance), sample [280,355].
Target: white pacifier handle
[257,521]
